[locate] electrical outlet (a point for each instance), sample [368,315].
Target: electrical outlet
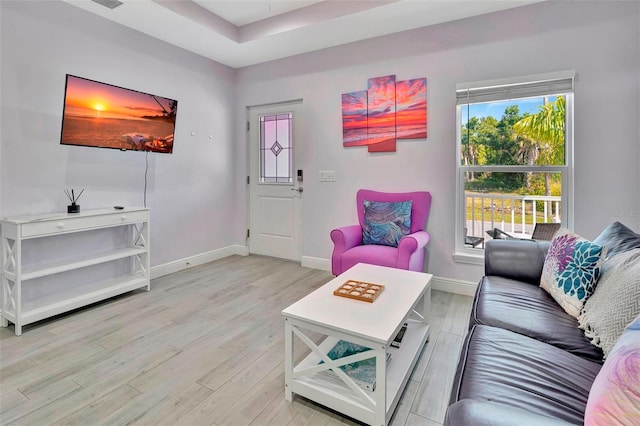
[327,175]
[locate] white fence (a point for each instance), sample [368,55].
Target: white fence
[512,214]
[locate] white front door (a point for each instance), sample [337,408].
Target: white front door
[275,188]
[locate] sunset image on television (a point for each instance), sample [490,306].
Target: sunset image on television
[102,115]
[386,111]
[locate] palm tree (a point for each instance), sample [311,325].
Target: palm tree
[528,152]
[546,129]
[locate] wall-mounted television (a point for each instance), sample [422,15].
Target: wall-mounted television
[106,116]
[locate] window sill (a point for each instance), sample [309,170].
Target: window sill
[472,259]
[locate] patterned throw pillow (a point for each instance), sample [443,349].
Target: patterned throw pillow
[614,398]
[386,223]
[571,270]
[615,301]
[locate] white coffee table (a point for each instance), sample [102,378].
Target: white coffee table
[406,298]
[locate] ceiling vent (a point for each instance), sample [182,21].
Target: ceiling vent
[111,4]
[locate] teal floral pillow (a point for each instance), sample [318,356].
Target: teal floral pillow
[386,223]
[571,270]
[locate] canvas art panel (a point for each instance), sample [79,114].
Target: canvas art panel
[388,110]
[411,109]
[381,108]
[354,118]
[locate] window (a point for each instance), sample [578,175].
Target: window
[276,148]
[514,144]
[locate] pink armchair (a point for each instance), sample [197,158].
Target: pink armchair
[348,249]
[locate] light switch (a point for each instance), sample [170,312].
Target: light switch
[327,175]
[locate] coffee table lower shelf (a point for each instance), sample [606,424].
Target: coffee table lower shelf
[330,391]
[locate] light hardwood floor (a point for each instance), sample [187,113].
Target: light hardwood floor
[204,347]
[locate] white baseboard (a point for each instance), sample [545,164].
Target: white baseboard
[449,285]
[316,263]
[465,288]
[199,259]
[241,250]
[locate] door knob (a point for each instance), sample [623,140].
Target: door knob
[297,189]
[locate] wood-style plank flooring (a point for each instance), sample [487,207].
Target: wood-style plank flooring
[204,347]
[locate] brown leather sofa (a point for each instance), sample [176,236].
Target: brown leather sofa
[524,360]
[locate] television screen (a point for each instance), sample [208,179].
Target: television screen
[106,116]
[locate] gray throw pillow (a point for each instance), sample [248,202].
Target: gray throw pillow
[617,238]
[615,301]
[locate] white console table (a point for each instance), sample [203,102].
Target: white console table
[24,307]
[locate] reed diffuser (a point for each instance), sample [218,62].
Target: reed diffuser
[74,207]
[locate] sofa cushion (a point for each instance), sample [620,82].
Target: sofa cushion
[615,395]
[528,309]
[386,223]
[470,412]
[500,366]
[615,302]
[373,254]
[520,260]
[617,238]
[571,270]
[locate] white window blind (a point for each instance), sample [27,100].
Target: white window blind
[514,91]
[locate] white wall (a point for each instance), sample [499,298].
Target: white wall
[599,40]
[197,195]
[189,192]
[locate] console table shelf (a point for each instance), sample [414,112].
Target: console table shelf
[49,268]
[47,306]
[28,290]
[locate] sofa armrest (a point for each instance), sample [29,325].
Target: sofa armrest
[411,249]
[347,237]
[520,260]
[487,413]
[344,238]
[412,242]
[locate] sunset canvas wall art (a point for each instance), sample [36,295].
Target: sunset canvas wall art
[354,118]
[411,109]
[102,115]
[381,109]
[388,110]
